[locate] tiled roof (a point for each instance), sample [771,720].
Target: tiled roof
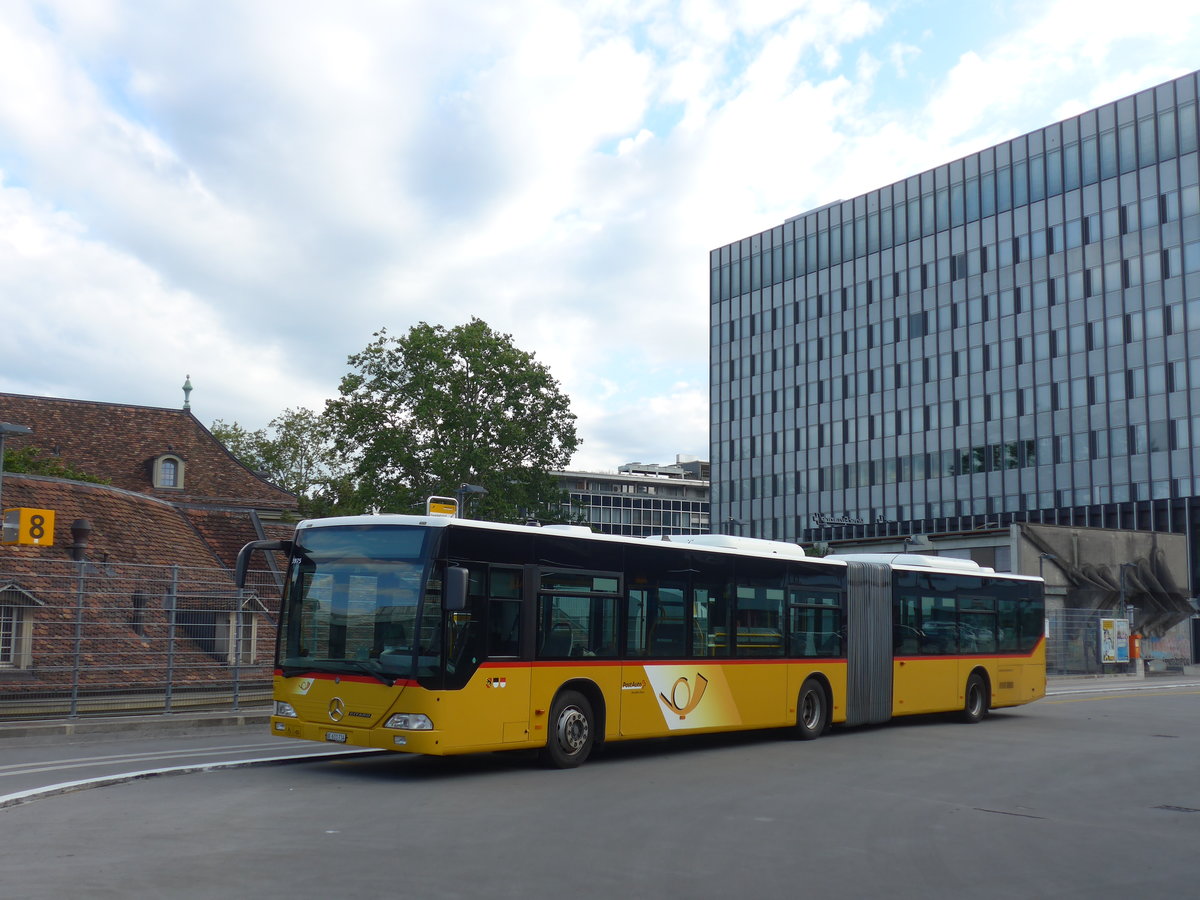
[145,544]
[126,527]
[140,550]
[226,531]
[121,442]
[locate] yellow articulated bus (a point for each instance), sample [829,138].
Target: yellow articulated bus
[439,635]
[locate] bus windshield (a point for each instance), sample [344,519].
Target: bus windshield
[361,600]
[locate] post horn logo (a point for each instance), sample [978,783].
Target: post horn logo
[684,698]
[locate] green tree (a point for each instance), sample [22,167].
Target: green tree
[31,460]
[425,413]
[296,452]
[248,447]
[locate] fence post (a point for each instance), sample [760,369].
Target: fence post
[78,642]
[172,593]
[237,646]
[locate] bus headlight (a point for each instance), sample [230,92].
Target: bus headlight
[409,722]
[285,709]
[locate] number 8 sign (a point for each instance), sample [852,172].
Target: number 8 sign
[23,525]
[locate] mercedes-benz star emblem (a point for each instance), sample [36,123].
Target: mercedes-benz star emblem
[337,709]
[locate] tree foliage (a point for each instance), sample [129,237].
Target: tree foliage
[296,453]
[425,413]
[31,460]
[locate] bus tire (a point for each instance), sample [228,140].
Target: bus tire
[572,731]
[812,711]
[975,705]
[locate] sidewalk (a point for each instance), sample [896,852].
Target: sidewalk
[155,724]
[1061,684]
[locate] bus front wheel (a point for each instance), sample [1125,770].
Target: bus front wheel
[572,733]
[975,706]
[812,711]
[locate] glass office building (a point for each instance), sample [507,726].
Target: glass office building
[1012,336]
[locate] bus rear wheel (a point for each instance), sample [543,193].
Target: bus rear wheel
[812,711]
[572,733]
[975,706]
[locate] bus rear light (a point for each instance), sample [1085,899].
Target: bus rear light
[409,722]
[285,710]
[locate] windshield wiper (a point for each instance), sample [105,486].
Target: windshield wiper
[369,669]
[322,666]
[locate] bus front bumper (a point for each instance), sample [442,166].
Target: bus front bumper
[428,742]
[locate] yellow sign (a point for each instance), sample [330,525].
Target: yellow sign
[23,525]
[441,506]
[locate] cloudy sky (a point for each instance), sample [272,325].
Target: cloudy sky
[244,191]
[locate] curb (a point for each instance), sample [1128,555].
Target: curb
[133,724]
[67,787]
[1057,685]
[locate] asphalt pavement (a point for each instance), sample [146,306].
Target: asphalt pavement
[54,756]
[48,757]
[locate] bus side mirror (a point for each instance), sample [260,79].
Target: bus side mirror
[455,599]
[243,557]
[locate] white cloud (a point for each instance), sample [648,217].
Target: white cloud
[245,192]
[102,317]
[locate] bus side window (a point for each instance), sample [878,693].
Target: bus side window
[667,630]
[504,612]
[504,623]
[939,625]
[711,612]
[637,622]
[816,623]
[906,633]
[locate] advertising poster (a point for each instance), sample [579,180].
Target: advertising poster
[1114,641]
[1122,640]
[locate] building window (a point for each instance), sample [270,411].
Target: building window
[16,627]
[168,472]
[217,633]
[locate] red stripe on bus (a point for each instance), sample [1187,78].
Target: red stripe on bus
[337,676]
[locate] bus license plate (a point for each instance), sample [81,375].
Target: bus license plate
[335,737]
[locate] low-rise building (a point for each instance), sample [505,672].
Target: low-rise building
[129,596]
[641,499]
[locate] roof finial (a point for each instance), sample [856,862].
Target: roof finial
[187,392]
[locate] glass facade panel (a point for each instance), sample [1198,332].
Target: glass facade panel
[1024,319]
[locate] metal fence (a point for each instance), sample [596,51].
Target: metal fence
[88,638]
[1073,646]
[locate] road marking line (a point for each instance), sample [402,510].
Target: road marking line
[75,762]
[66,787]
[1120,695]
[1122,689]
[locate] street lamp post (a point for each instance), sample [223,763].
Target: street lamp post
[1124,602]
[461,496]
[8,429]
[1127,610]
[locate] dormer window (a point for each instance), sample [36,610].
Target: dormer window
[168,472]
